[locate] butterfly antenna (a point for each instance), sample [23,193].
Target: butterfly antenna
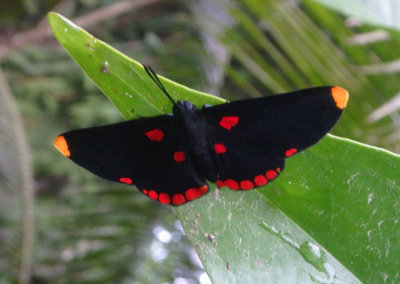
[156,80]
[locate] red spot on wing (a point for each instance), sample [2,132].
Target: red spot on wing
[278,169]
[246,184]
[194,193]
[164,198]
[155,135]
[290,152]
[203,189]
[153,195]
[178,199]
[219,148]
[271,174]
[229,121]
[125,180]
[179,156]
[229,183]
[260,180]
[145,191]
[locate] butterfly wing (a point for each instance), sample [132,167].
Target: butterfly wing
[145,152]
[252,138]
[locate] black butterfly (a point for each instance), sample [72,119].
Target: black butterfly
[241,145]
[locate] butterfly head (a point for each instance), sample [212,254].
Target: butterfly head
[183,108]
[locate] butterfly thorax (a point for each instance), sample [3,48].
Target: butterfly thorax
[192,123]
[194,131]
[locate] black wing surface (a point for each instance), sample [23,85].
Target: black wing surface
[252,138]
[145,152]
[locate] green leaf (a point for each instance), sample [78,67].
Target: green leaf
[122,80]
[332,216]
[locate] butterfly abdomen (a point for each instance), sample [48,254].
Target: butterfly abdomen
[194,135]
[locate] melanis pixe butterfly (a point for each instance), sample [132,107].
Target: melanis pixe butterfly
[240,145]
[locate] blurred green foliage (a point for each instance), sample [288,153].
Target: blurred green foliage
[88,230]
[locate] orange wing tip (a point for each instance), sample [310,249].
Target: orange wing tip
[61,144]
[340,96]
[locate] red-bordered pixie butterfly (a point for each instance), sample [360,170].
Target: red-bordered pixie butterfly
[240,145]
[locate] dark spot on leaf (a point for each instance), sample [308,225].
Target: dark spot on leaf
[105,68]
[209,236]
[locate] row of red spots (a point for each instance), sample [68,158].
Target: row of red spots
[178,198]
[290,152]
[155,135]
[219,148]
[162,197]
[194,193]
[228,122]
[179,156]
[151,193]
[259,180]
[232,184]
[125,180]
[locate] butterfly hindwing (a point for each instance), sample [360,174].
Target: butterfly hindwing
[240,145]
[145,152]
[252,138]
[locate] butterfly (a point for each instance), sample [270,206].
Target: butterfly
[240,145]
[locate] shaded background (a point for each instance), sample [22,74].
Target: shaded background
[60,224]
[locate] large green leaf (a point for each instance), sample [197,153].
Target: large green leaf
[334,201]
[122,79]
[332,216]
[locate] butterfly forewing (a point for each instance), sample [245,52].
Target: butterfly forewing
[146,152]
[240,145]
[253,137]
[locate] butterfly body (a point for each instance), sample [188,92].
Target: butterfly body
[193,133]
[239,145]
